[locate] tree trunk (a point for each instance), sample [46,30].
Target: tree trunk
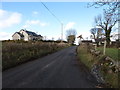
[108,36]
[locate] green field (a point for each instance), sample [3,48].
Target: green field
[111,52]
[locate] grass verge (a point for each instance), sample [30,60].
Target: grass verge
[111,78]
[84,56]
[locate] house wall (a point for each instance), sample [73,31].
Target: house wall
[40,38]
[26,37]
[30,37]
[16,37]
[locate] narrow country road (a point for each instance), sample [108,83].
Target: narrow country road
[57,70]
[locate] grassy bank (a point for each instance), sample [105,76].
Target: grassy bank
[84,56]
[110,77]
[14,53]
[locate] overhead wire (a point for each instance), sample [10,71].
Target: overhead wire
[54,17]
[51,12]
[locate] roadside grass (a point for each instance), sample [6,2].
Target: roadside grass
[111,78]
[111,52]
[15,53]
[84,56]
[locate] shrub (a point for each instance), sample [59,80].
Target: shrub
[17,52]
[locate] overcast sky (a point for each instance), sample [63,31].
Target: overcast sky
[33,16]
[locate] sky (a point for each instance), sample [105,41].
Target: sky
[33,16]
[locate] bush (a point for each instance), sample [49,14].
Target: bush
[17,52]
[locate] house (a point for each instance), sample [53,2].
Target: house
[86,41]
[100,41]
[26,35]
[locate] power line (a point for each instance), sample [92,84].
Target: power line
[56,18]
[51,12]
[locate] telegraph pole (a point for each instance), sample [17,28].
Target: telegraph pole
[61,32]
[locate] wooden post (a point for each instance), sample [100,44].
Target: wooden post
[104,48]
[95,47]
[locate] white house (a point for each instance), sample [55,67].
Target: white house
[26,35]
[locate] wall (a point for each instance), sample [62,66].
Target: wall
[25,35]
[16,36]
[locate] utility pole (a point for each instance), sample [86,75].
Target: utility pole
[61,32]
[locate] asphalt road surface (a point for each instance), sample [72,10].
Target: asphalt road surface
[57,70]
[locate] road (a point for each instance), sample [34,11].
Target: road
[57,70]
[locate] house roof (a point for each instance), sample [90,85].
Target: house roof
[40,36]
[31,33]
[18,34]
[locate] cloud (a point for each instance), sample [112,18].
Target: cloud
[85,34]
[25,26]
[34,12]
[5,36]
[8,19]
[69,25]
[34,22]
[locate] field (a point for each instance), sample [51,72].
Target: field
[111,52]
[17,52]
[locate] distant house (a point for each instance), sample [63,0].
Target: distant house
[100,41]
[26,35]
[86,41]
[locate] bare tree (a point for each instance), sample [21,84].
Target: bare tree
[112,7]
[93,32]
[110,16]
[71,32]
[70,35]
[107,22]
[97,34]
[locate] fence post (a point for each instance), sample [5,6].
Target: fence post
[104,47]
[95,46]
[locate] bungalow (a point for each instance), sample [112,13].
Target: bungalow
[26,35]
